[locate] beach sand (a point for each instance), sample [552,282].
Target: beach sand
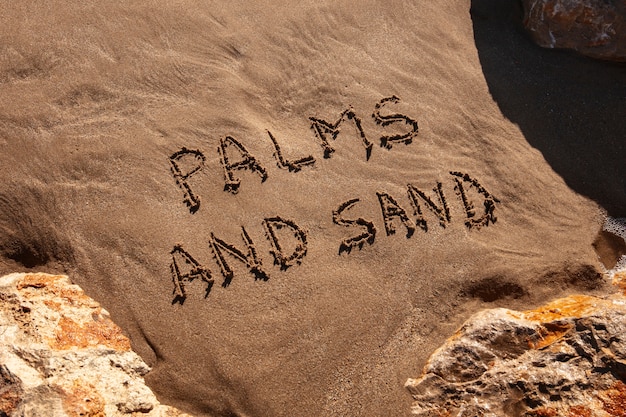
[116,122]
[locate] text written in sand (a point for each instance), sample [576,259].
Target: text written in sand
[288,241]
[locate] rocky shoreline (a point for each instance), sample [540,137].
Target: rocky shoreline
[567,358]
[62,356]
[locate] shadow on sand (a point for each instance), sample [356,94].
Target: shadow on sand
[571,108]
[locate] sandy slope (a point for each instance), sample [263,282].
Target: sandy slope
[97,96]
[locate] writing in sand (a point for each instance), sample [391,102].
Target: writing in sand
[477,203]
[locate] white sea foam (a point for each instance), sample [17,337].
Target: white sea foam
[617,226]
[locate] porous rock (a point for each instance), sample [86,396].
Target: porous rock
[567,358]
[596,28]
[62,356]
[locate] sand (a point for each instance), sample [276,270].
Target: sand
[117,120]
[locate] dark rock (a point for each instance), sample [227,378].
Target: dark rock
[596,28]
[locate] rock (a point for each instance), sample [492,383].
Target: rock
[596,28]
[567,358]
[62,356]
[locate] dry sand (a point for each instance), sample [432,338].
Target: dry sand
[98,97]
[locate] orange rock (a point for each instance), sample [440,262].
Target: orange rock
[579,411]
[614,400]
[594,28]
[61,355]
[544,412]
[556,360]
[55,284]
[82,400]
[82,323]
[70,334]
[10,391]
[619,280]
[550,333]
[572,306]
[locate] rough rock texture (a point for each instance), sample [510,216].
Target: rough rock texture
[596,28]
[61,355]
[567,358]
